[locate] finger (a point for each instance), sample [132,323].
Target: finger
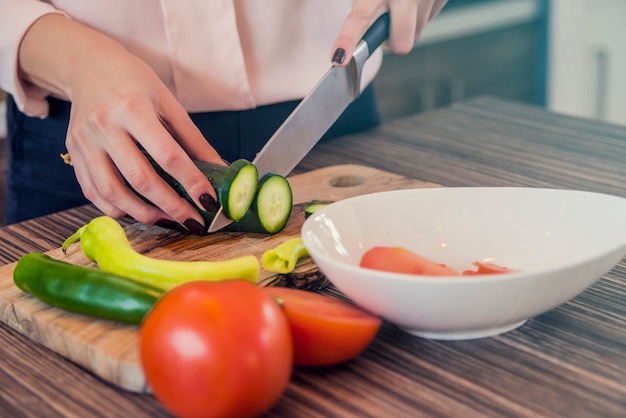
[186,133]
[88,187]
[424,14]
[141,176]
[105,158]
[158,142]
[403,17]
[106,188]
[363,14]
[436,8]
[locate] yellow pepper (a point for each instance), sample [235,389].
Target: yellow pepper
[284,257]
[104,241]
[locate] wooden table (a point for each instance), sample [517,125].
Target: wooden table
[569,362]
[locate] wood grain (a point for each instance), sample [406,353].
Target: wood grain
[109,349]
[568,362]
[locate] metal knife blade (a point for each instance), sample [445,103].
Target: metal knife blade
[316,113]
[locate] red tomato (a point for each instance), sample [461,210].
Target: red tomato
[487,268]
[325,330]
[216,349]
[401,260]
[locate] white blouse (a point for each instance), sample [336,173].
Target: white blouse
[212,54]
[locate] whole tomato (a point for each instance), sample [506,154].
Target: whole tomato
[216,349]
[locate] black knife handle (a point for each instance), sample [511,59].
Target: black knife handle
[377,33]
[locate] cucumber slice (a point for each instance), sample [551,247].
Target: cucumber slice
[271,208]
[273,202]
[311,207]
[237,187]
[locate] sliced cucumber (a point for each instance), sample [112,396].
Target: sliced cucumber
[235,186]
[262,206]
[273,202]
[311,207]
[271,208]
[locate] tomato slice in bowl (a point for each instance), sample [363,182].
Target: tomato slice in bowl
[325,330]
[401,260]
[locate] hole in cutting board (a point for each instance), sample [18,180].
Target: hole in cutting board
[347,181]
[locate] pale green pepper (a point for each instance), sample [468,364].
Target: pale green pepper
[285,256]
[104,241]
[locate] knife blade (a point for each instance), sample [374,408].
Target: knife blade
[316,113]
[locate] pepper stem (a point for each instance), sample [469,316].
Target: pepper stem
[73,238]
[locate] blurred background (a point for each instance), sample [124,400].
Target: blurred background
[565,55]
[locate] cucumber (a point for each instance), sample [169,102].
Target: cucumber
[262,206]
[235,186]
[270,209]
[311,207]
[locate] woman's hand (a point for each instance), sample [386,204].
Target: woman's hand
[117,103]
[408,19]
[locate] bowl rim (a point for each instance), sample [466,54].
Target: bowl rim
[478,278]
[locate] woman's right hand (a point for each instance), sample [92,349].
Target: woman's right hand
[117,103]
[408,19]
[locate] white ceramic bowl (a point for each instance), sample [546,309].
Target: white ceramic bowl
[558,241]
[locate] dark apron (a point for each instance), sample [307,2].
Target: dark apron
[40,183]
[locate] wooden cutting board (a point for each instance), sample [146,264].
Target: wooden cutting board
[109,349]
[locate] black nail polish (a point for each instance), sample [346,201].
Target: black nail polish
[167,223]
[339,55]
[208,203]
[194,227]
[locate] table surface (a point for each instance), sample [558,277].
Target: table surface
[570,361]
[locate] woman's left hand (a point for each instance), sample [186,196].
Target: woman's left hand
[408,19]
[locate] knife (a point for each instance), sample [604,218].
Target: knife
[316,113]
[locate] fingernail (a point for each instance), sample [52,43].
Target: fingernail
[339,55]
[208,203]
[194,226]
[167,223]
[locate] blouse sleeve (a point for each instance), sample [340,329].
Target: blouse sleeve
[16,18]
